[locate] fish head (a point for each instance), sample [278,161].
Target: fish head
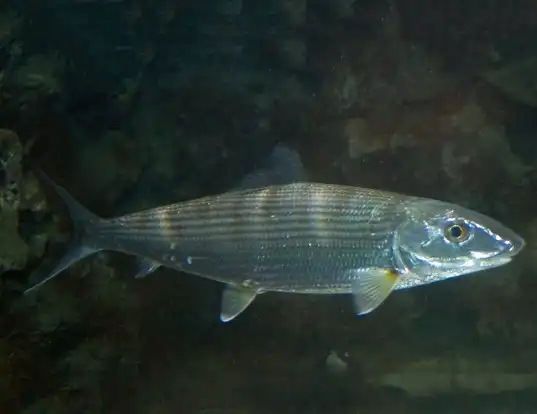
[439,240]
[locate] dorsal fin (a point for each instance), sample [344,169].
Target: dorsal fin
[283,166]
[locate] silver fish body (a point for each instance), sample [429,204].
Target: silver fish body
[301,238]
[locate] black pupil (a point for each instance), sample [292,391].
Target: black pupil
[455,232]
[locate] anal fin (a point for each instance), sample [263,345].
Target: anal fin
[235,300]
[371,288]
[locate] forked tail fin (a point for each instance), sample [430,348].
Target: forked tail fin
[85,224]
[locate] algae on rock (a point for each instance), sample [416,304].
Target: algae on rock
[14,251]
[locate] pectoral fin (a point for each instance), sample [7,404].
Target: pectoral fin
[371,288]
[234,301]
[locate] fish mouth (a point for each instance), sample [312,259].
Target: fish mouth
[515,246]
[512,248]
[496,262]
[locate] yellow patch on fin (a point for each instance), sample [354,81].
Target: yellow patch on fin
[371,288]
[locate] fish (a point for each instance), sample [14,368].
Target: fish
[298,236]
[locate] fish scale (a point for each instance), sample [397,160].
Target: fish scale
[280,238]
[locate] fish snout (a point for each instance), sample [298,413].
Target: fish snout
[514,245]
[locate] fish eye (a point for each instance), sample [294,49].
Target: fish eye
[457,232]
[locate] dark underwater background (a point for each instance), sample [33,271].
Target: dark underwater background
[135,103]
